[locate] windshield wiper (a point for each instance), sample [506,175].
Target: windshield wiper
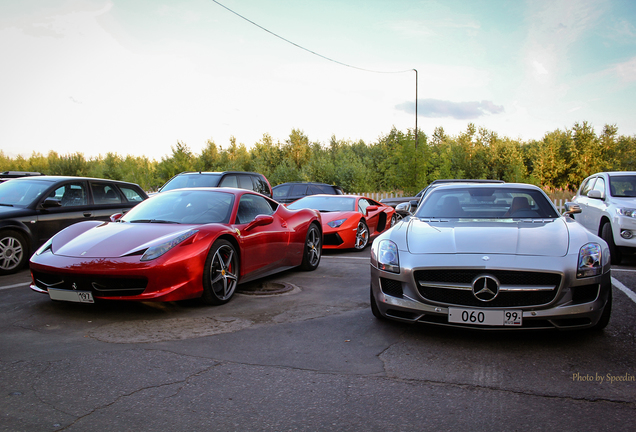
[153,221]
[6,205]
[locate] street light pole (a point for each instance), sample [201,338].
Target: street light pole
[415,108]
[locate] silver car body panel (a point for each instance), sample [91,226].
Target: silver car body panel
[491,247]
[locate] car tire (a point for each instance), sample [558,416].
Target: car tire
[13,252]
[221,273]
[607,312]
[312,250]
[362,236]
[374,306]
[607,235]
[394,220]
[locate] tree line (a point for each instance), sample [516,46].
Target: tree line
[393,163]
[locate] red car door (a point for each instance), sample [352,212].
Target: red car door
[263,234]
[372,215]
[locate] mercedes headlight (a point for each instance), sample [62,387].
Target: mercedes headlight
[336,223]
[388,257]
[155,252]
[589,261]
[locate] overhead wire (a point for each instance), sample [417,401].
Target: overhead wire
[306,49]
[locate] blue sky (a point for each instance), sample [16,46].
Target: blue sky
[135,77]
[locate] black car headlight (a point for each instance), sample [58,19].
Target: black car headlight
[388,256]
[590,263]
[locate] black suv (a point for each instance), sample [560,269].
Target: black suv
[237,179]
[290,192]
[34,208]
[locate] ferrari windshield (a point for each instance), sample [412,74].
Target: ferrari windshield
[183,206]
[21,193]
[325,203]
[486,203]
[623,186]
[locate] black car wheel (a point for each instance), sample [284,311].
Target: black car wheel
[221,273]
[607,235]
[313,249]
[362,236]
[13,252]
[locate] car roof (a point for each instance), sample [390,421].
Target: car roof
[307,183]
[53,179]
[487,185]
[616,173]
[218,172]
[234,191]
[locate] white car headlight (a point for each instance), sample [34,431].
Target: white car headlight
[155,252]
[589,261]
[388,257]
[336,223]
[629,212]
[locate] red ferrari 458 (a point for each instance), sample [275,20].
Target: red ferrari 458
[180,244]
[349,221]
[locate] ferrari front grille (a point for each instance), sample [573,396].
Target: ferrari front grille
[332,239]
[100,286]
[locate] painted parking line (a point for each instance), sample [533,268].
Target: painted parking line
[15,285]
[623,288]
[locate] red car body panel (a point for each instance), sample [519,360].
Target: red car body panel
[112,252]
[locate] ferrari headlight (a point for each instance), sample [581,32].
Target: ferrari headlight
[336,223]
[629,212]
[388,257]
[155,252]
[46,246]
[589,261]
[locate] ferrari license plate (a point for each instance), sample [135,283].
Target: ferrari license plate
[71,296]
[496,317]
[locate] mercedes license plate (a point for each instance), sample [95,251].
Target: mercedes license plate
[490,317]
[71,296]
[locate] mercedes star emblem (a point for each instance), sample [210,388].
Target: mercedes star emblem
[485,287]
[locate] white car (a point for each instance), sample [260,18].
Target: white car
[608,209]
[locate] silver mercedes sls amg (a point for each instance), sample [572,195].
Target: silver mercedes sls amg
[491,256]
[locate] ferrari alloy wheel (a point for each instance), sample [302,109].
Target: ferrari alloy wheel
[221,273]
[362,236]
[13,252]
[313,249]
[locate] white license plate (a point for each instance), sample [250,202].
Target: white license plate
[71,296]
[491,317]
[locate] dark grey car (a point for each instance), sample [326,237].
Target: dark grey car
[236,179]
[33,209]
[286,193]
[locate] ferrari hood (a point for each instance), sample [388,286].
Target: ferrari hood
[111,240]
[525,237]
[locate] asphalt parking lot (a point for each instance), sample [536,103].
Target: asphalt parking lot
[311,359]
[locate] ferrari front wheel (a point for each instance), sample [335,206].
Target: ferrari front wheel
[221,273]
[313,249]
[362,236]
